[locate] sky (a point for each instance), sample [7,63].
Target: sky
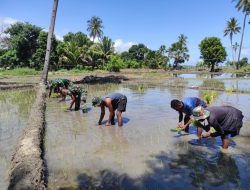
[127,22]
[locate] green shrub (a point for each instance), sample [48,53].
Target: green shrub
[115,64]
[132,64]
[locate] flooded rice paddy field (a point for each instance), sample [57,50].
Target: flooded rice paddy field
[15,108]
[144,153]
[228,81]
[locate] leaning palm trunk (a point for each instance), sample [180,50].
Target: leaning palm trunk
[241,41]
[49,40]
[231,41]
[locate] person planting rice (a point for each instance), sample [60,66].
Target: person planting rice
[59,83]
[113,101]
[186,106]
[226,120]
[78,96]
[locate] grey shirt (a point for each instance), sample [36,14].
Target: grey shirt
[225,118]
[115,98]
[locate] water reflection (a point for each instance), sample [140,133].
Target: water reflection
[143,154]
[211,76]
[190,170]
[15,108]
[208,169]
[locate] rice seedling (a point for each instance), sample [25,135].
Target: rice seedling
[141,87]
[209,96]
[55,95]
[229,89]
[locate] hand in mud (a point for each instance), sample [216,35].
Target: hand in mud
[107,123]
[180,125]
[205,135]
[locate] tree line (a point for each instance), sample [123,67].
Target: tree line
[24,45]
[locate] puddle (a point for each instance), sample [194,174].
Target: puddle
[15,108]
[144,153]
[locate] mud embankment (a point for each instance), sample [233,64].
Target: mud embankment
[27,164]
[14,85]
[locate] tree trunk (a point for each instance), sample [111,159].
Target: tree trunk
[49,40]
[241,41]
[231,41]
[212,67]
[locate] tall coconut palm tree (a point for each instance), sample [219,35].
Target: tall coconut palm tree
[235,47]
[49,42]
[162,49]
[231,29]
[72,54]
[95,27]
[104,49]
[243,5]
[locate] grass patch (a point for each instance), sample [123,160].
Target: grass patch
[154,74]
[20,72]
[75,71]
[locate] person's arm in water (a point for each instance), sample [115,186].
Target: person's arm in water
[180,119]
[188,123]
[102,114]
[111,111]
[72,101]
[50,90]
[63,93]
[218,129]
[200,128]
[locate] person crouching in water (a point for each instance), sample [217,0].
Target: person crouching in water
[113,101]
[226,120]
[77,94]
[186,106]
[57,85]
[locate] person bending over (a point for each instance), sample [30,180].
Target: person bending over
[113,101]
[186,106]
[226,120]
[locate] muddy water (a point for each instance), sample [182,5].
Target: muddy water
[144,153]
[15,108]
[229,80]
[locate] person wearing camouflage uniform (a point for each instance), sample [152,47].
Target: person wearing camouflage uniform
[56,84]
[77,95]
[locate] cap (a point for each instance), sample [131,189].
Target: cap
[96,101]
[199,113]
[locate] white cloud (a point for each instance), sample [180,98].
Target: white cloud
[58,37]
[121,46]
[6,21]
[245,52]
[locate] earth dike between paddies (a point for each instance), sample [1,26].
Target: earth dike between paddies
[27,164]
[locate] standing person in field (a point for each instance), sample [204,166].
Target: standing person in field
[113,101]
[186,106]
[56,84]
[77,94]
[226,120]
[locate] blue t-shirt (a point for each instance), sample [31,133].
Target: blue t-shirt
[190,103]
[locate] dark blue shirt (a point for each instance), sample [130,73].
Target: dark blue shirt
[190,103]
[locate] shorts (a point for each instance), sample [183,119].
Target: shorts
[229,134]
[122,104]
